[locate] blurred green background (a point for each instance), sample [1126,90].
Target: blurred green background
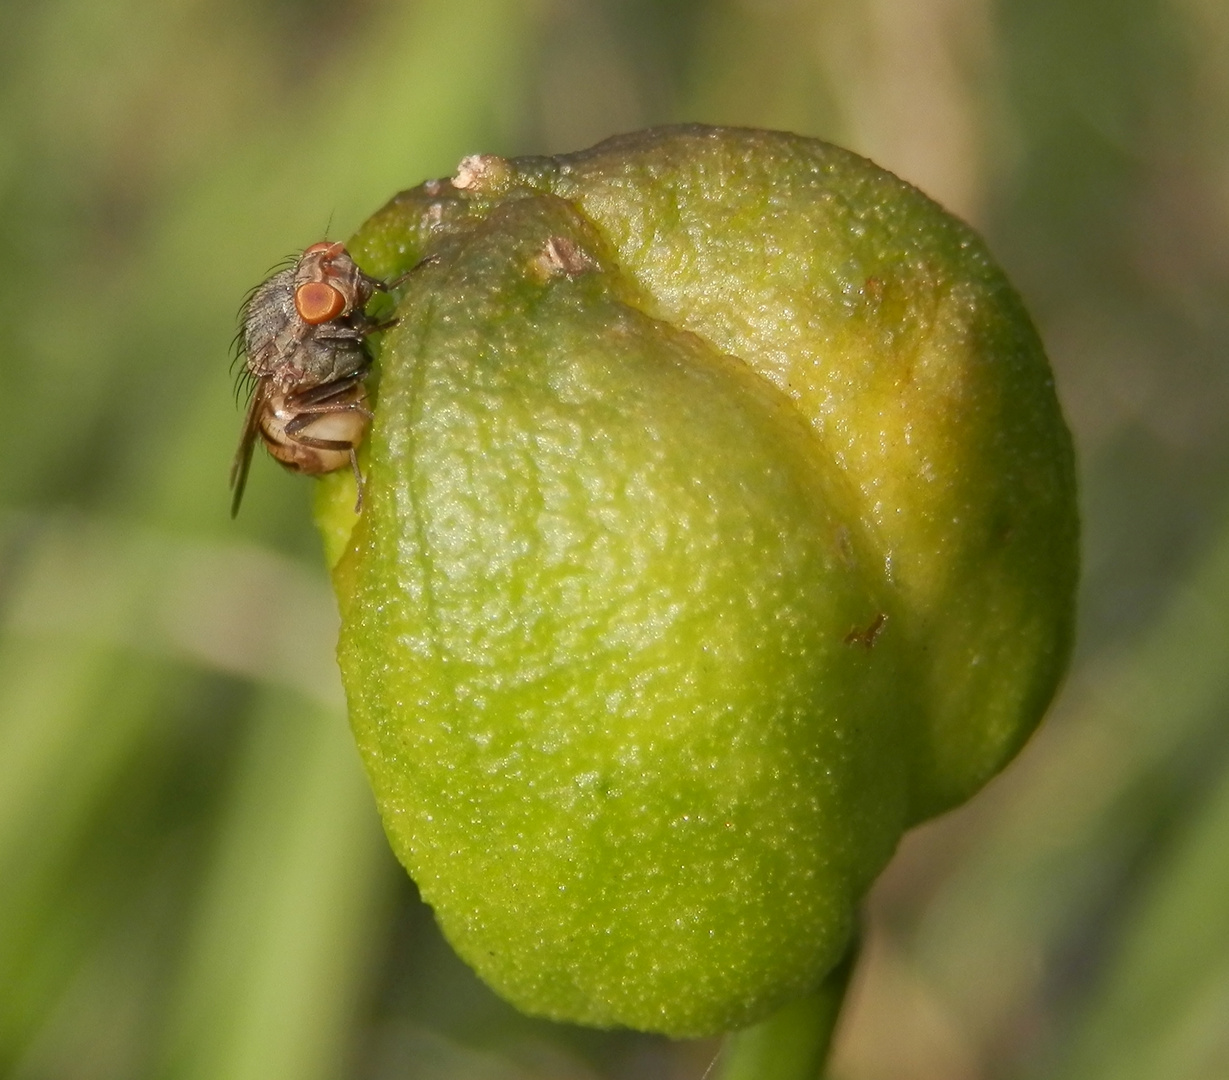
[193,883]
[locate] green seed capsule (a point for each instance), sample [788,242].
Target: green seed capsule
[719,524]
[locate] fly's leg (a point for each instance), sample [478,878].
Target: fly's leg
[339,330]
[310,413]
[334,444]
[358,481]
[402,278]
[323,398]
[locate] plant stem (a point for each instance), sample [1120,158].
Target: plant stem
[792,1044]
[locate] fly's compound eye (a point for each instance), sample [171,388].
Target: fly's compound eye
[317,302]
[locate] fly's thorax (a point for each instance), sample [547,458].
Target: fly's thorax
[271,328]
[294,354]
[323,358]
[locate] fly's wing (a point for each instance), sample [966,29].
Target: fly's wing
[247,442]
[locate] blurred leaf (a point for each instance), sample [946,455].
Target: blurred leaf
[289,911]
[1163,1009]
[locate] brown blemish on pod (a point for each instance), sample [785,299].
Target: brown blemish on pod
[866,637]
[559,255]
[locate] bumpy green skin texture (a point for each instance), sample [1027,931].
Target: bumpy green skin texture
[696,563]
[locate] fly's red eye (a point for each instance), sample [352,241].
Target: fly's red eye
[317,302]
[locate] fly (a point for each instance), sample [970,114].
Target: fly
[302,332]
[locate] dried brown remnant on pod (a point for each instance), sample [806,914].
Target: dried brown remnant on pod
[559,255]
[480,172]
